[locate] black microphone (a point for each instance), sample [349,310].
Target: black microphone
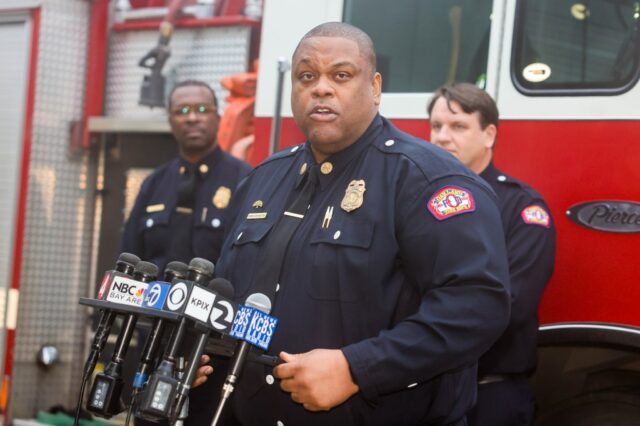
[125,264]
[156,399]
[223,288]
[262,303]
[104,399]
[173,271]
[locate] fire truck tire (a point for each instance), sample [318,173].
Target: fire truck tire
[619,407]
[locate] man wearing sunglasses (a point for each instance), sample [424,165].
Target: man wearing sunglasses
[182,208]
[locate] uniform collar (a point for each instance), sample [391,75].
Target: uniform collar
[333,166]
[205,165]
[491,174]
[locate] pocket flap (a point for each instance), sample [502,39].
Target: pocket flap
[251,232]
[347,233]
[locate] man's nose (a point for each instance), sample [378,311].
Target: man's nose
[323,87]
[440,136]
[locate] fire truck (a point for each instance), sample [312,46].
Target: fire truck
[82,124]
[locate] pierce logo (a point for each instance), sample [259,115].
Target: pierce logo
[127,291]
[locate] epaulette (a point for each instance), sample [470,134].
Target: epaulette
[508,180]
[285,153]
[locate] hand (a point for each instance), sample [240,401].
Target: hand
[319,379]
[202,372]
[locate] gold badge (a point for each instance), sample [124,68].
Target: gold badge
[257,204]
[353,196]
[326,168]
[182,170]
[222,197]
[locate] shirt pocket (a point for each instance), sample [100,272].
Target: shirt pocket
[156,233]
[242,258]
[208,237]
[341,264]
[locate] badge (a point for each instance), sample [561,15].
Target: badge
[353,196]
[257,204]
[222,197]
[536,215]
[451,201]
[326,168]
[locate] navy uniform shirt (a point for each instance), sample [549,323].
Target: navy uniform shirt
[148,232]
[531,243]
[407,275]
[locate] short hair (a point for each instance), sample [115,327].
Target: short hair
[189,83]
[471,99]
[348,31]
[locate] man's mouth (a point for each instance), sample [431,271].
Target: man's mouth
[323,113]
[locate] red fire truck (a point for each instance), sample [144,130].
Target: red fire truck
[76,145]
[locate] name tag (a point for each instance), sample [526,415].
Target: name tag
[262,215]
[154,208]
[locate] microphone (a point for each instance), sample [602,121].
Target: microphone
[262,303]
[173,271]
[156,399]
[104,399]
[222,288]
[125,264]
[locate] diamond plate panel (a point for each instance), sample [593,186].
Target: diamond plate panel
[56,251]
[207,54]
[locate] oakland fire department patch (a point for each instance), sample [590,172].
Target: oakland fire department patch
[451,201]
[536,215]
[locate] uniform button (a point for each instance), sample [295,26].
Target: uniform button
[149,223]
[215,223]
[326,168]
[303,168]
[336,235]
[279,423]
[390,142]
[239,235]
[203,168]
[295,148]
[502,178]
[269,379]
[182,170]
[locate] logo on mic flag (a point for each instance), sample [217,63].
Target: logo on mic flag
[156,295]
[254,327]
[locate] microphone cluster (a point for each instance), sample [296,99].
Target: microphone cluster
[186,300]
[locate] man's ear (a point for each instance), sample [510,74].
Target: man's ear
[377,87]
[490,133]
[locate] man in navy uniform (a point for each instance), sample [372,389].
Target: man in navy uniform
[182,209]
[464,121]
[395,278]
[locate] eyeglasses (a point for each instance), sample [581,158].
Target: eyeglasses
[185,110]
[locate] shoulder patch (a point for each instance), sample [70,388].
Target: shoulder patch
[536,215]
[451,201]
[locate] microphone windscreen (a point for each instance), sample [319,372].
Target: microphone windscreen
[222,287]
[128,258]
[146,268]
[177,269]
[259,301]
[202,266]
